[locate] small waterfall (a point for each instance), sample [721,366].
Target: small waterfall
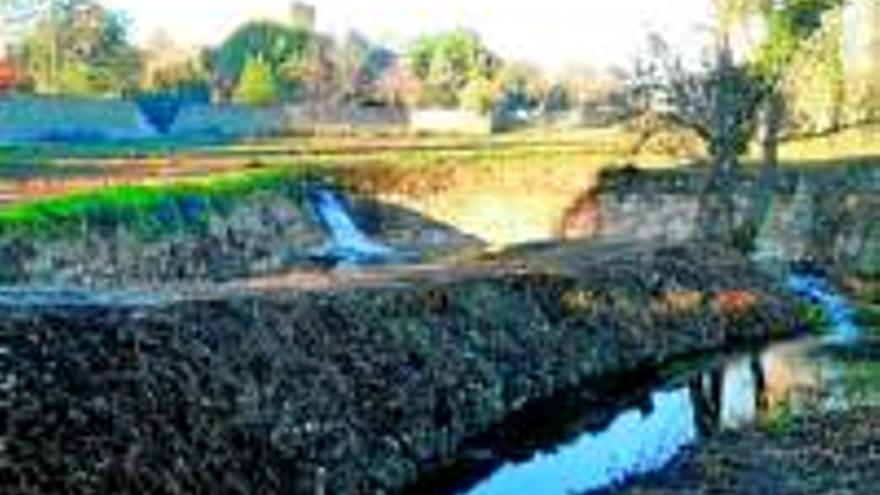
[836,307]
[348,243]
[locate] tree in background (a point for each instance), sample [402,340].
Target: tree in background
[360,65]
[523,87]
[314,75]
[479,96]
[173,77]
[584,91]
[447,63]
[727,101]
[170,67]
[815,88]
[257,85]
[78,46]
[189,80]
[277,46]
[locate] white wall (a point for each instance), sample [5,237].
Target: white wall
[450,122]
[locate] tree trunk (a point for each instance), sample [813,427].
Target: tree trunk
[717,215]
[764,191]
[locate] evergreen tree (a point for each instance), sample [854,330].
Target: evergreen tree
[257,85]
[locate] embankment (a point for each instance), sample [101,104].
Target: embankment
[824,212]
[257,222]
[349,390]
[826,215]
[504,201]
[231,226]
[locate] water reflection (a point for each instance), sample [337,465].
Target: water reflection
[731,393]
[737,392]
[635,442]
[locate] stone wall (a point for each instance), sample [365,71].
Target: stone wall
[26,119]
[229,121]
[237,121]
[347,119]
[828,216]
[259,234]
[653,217]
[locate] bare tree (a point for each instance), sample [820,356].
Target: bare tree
[727,100]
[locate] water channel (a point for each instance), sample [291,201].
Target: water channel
[597,443]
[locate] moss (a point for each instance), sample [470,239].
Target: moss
[814,318]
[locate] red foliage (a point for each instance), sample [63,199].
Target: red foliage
[9,77]
[735,302]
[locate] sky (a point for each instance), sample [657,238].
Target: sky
[552,33]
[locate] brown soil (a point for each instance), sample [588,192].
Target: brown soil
[358,390]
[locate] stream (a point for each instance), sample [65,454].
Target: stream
[599,442]
[641,427]
[605,435]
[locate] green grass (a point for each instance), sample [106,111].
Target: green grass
[779,420]
[39,152]
[150,208]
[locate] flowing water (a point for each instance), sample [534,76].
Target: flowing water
[838,310]
[647,429]
[348,244]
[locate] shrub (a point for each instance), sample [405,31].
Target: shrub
[75,80]
[478,96]
[257,85]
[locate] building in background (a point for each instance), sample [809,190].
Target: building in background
[304,16]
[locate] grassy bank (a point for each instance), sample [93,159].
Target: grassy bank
[501,189]
[151,207]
